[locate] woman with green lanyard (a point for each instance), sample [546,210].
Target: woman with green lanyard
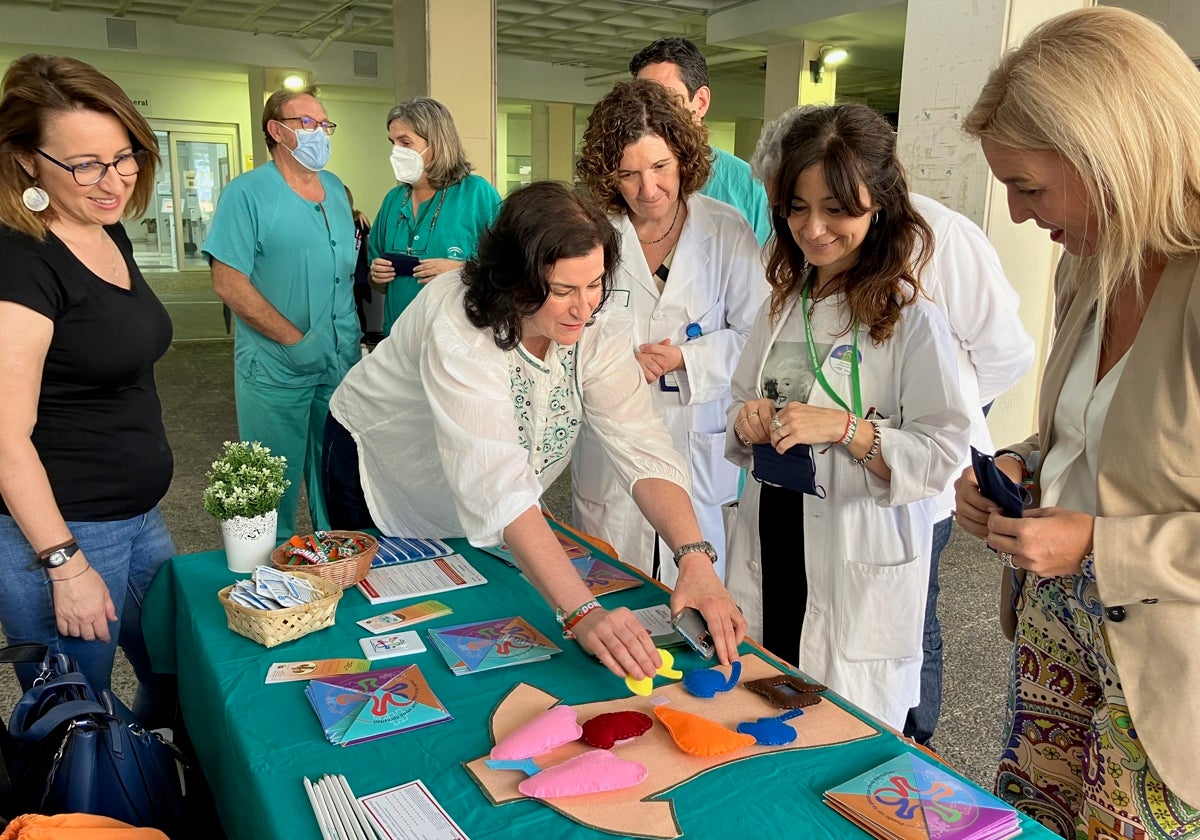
[430,223]
[835,582]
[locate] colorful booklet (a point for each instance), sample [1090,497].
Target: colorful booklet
[574,550]
[909,798]
[404,616]
[396,550]
[657,620]
[484,645]
[601,577]
[314,669]
[421,577]
[354,708]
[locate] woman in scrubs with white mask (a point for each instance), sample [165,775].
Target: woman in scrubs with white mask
[430,222]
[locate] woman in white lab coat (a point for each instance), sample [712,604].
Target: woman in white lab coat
[836,584]
[691,281]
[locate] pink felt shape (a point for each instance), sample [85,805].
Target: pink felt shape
[593,772]
[607,729]
[552,728]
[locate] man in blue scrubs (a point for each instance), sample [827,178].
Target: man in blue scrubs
[678,64]
[283,251]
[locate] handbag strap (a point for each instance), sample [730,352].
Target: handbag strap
[27,652]
[58,715]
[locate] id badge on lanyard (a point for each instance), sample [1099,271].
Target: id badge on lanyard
[856,396]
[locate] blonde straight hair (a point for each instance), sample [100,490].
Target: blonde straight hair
[432,120]
[1116,97]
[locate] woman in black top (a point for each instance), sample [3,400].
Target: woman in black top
[84,458]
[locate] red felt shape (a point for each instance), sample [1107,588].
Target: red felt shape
[607,729]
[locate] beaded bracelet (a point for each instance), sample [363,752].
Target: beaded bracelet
[86,568]
[851,428]
[873,451]
[569,620]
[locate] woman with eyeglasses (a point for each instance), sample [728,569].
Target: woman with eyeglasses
[84,459]
[431,221]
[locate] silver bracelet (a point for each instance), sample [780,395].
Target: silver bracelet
[873,451]
[738,435]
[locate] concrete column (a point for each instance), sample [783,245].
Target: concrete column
[790,81]
[257,84]
[560,146]
[948,52]
[446,49]
[539,140]
[746,137]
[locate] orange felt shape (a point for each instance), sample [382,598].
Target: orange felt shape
[700,736]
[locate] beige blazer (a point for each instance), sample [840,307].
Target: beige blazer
[1147,532]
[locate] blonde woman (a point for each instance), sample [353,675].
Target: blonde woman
[1093,125]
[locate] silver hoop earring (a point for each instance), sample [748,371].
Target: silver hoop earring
[875,218]
[35,199]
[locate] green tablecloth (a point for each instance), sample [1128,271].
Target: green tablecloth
[256,741]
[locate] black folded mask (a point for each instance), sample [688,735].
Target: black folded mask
[997,487]
[795,469]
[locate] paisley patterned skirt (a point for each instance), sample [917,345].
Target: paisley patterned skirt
[1072,759]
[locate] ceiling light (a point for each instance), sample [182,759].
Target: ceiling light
[294,81]
[827,56]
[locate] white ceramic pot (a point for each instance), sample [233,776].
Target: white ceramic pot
[249,541]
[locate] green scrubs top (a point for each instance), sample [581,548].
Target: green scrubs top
[447,226]
[732,182]
[300,256]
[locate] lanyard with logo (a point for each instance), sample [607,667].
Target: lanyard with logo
[816,363]
[417,223]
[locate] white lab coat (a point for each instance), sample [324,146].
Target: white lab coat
[717,281]
[966,282]
[867,543]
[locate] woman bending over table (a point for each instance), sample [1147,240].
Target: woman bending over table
[1093,125]
[461,418]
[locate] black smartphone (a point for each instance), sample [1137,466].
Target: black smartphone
[997,487]
[405,264]
[690,624]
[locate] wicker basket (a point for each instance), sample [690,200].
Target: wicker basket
[274,627]
[345,573]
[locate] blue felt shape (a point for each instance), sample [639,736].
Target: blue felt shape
[771,731]
[706,682]
[525,765]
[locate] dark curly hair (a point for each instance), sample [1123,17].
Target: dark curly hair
[629,112]
[855,146]
[538,225]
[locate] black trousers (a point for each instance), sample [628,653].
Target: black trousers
[784,578]
[344,499]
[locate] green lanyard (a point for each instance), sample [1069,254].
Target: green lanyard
[420,217]
[816,363]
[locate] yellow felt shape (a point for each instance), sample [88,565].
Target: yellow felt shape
[700,736]
[645,685]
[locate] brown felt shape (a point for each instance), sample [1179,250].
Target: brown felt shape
[787,691]
[700,736]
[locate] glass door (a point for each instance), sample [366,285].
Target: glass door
[202,170]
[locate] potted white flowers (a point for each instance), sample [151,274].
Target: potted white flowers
[244,487]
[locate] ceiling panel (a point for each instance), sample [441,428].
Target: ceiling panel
[597,35]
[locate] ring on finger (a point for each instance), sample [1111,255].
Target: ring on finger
[776,425]
[1007,559]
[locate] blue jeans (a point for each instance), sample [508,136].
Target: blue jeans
[922,718]
[127,553]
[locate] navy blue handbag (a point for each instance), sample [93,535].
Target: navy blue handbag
[76,750]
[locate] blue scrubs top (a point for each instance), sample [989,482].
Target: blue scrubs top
[300,256]
[732,182]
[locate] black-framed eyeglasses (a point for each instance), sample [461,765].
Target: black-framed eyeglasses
[93,171]
[308,124]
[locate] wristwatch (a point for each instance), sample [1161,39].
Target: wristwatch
[702,547]
[58,556]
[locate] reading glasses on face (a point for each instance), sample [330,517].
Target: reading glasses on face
[308,124]
[93,171]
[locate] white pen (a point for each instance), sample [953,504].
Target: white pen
[317,811]
[357,808]
[343,806]
[335,822]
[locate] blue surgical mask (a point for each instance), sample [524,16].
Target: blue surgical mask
[312,148]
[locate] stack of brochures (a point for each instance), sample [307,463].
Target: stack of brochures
[909,798]
[485,645]
[354,708]
[396,550]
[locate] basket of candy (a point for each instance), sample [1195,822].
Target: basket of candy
[341,557]
[274,607]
